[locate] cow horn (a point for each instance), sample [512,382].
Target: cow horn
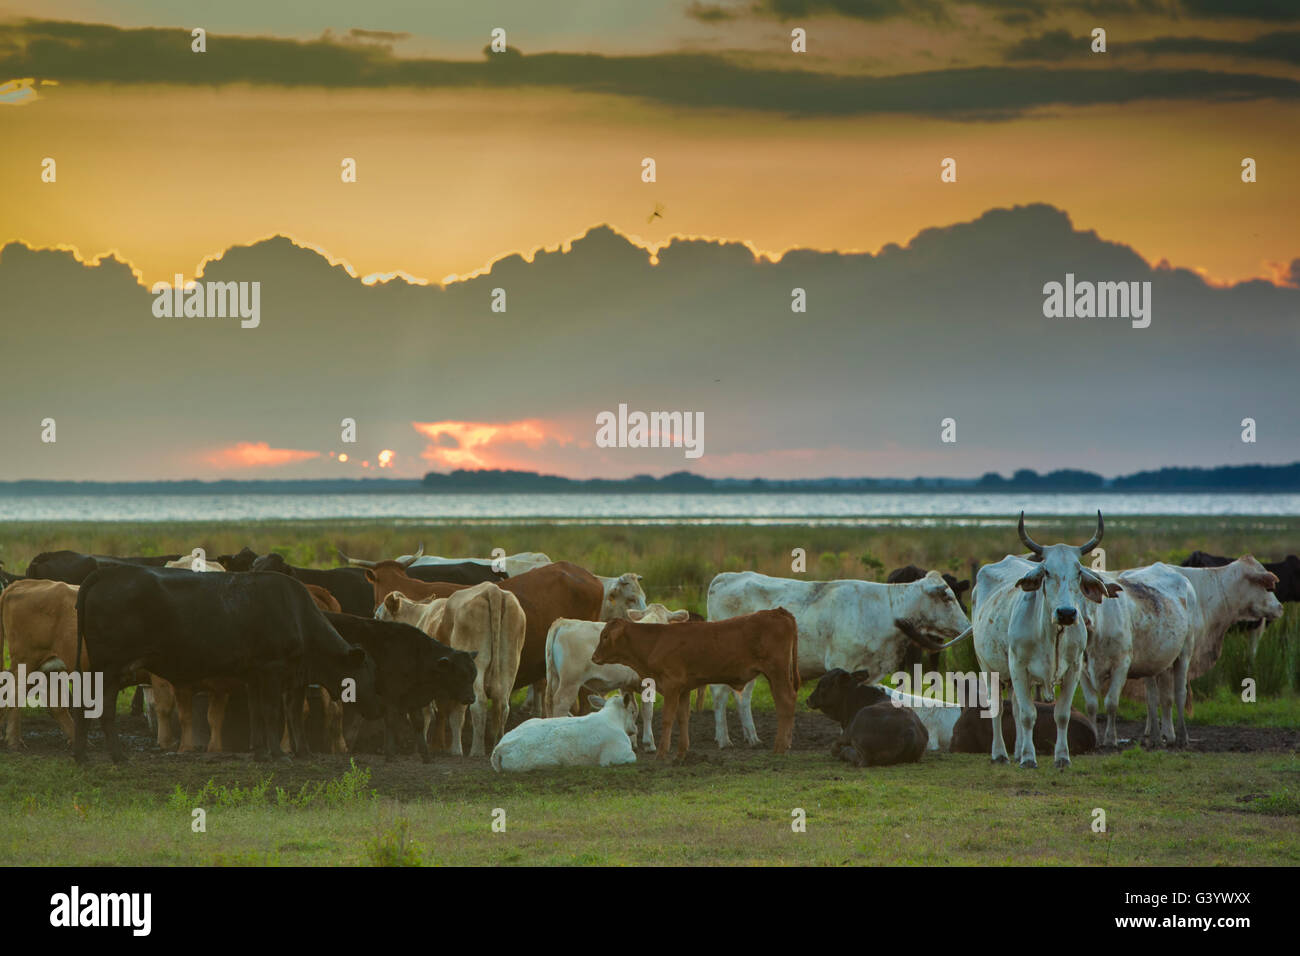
[1096,538]
[419,553]
[930,644]
[356,562]
[1028,542]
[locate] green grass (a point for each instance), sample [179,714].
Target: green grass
[1161,809]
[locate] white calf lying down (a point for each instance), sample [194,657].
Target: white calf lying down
[602,738]
[938,717]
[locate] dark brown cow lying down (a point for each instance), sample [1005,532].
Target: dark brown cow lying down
[881,735]
[876,733]
[973,734]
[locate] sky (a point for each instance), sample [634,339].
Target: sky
[523,170]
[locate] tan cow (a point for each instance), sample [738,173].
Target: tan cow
[38,622]
[486,621]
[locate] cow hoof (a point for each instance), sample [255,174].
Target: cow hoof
[723,744]
[999,760]
[1029,765]
[649,749]
[1062,763]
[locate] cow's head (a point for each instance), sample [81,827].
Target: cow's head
[838,692]
[1064,582]
[243,561]
[272,562]
[958,588]
[1288,584]
[611,648]
[621,709]
[1254,591]
[657,614]
[454,673]
[622,596]
[398,607]
[931,609]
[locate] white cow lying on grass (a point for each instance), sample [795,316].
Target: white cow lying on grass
[600,739]
[569,646]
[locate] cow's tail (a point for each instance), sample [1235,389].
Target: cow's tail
[794,652]
[552,673]
[75,664]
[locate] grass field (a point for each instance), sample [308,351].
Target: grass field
[1161,808]
[1164,809]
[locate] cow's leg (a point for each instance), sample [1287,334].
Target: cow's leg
[1025,713]
[295,702]
[1149,736]
[562,698]
[217,701]
[108,720]
[500,714]
[721,694]
[456,722]
[334,727]
[1089,692]
[79,725]
[783,696]
[13,726]
[478,713]
[1117,679]
[1069,681]
[418,724]
[441,739]
[671,695]
[684,723]
[747,715]
[184,695]
[647,723]
[1165,681]
[390,731]
[1180,699]
[999,752]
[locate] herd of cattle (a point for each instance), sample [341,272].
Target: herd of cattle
[417,640]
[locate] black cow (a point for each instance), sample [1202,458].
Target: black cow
[263,629]
[876,732]
[973,732]
[348,585]
[906,575]
[73,567]
[411,669]
[458,572]
[462,572]
[243,561]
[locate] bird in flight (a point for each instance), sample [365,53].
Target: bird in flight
[657,214]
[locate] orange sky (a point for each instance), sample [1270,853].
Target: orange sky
[449,181]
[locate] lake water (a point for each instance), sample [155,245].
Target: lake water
[878,508]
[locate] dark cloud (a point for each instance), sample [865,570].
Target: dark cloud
[1058,45]
[1277,10]
[90,53]
[711,13]
[950,323]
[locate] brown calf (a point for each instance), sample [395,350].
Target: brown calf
[680,657]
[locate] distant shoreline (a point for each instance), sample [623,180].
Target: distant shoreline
[1229,479]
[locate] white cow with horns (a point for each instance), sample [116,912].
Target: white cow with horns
[1031,619]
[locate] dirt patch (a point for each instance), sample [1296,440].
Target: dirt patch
[406,777]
